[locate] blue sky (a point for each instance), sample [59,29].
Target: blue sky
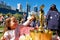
[32,3]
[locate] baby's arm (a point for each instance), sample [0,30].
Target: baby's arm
[28,21]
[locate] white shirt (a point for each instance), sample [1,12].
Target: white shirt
[9,35]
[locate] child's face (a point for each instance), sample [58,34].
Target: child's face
[13,23]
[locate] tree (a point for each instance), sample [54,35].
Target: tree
[9,14]
[18,16]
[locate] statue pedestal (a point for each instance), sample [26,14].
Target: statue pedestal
[40,35]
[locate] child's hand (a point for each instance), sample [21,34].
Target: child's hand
[30,18]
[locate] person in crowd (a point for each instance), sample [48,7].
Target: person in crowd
[1,19]
[24,18]
[29,20]
[33,23]
[9,31]
[53,19]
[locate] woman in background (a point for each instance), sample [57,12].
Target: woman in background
[53,19]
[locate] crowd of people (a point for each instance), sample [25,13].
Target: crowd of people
[13,29]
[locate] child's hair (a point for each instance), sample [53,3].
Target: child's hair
[7,25]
